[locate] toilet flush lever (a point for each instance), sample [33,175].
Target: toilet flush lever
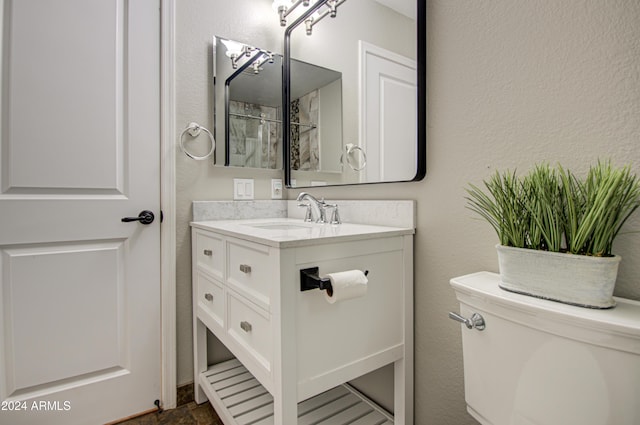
[476,321]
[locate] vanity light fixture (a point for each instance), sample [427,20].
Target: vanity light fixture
[285,7]
[236,51]
[257,64]
[312,20]
[331,10]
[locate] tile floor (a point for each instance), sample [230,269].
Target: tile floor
[187,413]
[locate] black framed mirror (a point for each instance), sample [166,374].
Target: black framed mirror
[379,48]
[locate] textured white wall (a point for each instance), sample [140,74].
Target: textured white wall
[197,22]
[510,83]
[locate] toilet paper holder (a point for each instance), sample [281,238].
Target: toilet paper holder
[310,279]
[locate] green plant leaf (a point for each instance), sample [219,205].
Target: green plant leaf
[552,209]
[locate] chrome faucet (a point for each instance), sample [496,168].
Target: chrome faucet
[316,210]
[317,207]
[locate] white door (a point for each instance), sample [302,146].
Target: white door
[389,102]
[79,150]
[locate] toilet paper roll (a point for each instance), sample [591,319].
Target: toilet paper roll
[346,285]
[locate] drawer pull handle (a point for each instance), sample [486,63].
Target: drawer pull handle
[245,326]
[245,268]
[208,252]
[208,297]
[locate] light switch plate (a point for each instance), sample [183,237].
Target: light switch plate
[242,189]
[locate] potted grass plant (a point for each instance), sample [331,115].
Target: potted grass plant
[556,230]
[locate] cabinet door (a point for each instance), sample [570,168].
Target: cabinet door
[251,329]
[251,271]
[366,332]
[211,301]
[209,253]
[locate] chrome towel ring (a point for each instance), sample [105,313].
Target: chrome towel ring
[350,148]
[194,131]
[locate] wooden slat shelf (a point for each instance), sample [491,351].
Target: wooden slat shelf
[239,399]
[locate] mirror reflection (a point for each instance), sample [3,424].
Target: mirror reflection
[247,105]
[315,118]
[248,110]
[374,45]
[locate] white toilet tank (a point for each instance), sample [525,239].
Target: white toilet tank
[540,362]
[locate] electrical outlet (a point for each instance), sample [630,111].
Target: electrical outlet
[242,189]
[276,188]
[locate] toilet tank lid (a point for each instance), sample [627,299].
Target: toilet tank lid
[482,289]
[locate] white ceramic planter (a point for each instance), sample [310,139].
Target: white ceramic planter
[572,279]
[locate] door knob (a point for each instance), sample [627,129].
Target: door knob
[145,217]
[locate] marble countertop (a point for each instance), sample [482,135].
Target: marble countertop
[292,232]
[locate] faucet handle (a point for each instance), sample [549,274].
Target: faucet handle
[322,206]
[307,215]
[335,215]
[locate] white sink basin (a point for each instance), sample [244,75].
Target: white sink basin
[279,226]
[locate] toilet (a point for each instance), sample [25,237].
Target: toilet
[529,361]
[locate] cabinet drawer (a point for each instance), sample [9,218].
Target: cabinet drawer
[211,298]
[250,271]
[250,327]
[210,254]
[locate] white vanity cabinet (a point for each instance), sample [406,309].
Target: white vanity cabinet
[293,348]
